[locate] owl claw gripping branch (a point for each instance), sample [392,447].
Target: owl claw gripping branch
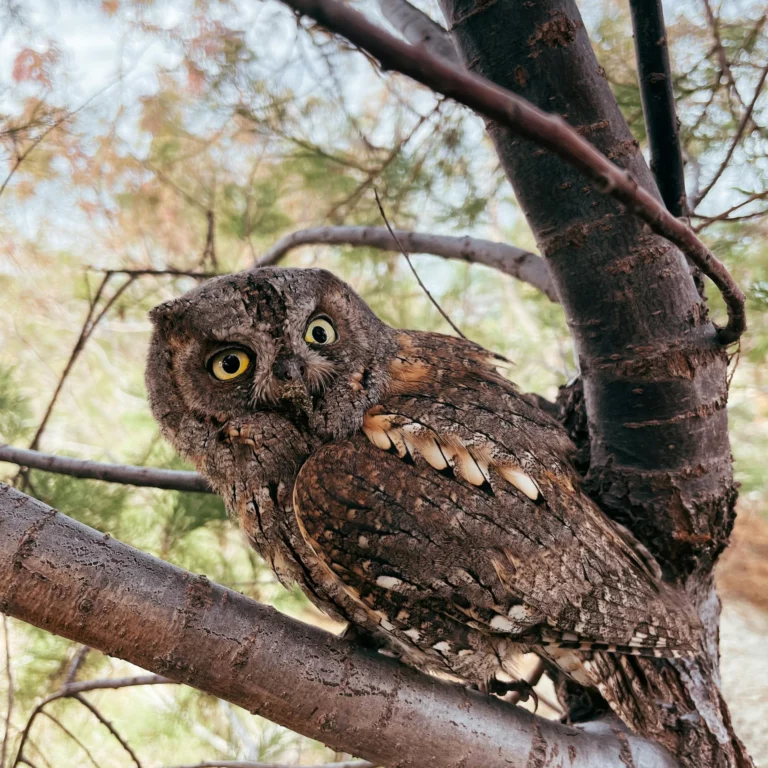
[403,483]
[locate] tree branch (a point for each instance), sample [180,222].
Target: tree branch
[746,117]
[418,29]
[89,326]
[125,474]
[68,579]
[512,261]
[74,690]
[661,124]
[527,121]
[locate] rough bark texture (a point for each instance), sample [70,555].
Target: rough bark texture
[654,377]
[71,580]
[655,79]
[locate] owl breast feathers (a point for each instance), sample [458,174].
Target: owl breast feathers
[402,481]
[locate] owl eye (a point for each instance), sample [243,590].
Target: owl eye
[320,331]
[229,364]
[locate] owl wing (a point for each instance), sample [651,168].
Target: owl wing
[457,506]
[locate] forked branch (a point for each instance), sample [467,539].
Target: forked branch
[548,130]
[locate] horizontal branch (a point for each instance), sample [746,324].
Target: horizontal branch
[516,262]
[66,578]
[125,474]
[523,119]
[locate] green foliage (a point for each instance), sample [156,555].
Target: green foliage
[15,411]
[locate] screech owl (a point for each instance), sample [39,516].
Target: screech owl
[403,482]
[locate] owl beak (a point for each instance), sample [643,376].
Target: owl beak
[292,389]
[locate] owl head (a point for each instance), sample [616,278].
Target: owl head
[265,350]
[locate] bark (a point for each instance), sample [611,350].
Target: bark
[654,376]
[658,99]
[508,259]
[73,581]
[418,29]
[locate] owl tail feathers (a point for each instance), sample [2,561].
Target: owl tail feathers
[560,643]
[670,701]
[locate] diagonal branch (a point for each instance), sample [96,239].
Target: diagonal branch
[418,29]
[60,575]
[516,262]
[111,728]
[125,474]
[525,120]
[74,691]
[89,326]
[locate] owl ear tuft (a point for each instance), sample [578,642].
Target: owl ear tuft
[163,315]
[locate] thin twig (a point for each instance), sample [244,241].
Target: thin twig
[74,690]
[75,665]
[124,474]
[413,269]
[737,137]
[9,683]
[111,728]
[20,158]
[113,683]
[71,361]
[547,130]
[72,736]
[85,333]
[209,251]
[722,57]
[374,173]
[158,273]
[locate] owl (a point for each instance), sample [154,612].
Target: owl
[405,484]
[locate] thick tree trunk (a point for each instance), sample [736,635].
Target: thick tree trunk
[654,376]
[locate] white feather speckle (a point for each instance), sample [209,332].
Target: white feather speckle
[502,623]
[518,613]
[388,582]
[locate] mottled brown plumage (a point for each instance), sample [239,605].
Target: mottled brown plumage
[404,483]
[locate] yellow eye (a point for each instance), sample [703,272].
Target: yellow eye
[230,364]
[320,331]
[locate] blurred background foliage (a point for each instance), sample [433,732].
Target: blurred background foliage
[189,135]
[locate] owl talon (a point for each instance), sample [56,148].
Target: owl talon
[359,637]
[522,688]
